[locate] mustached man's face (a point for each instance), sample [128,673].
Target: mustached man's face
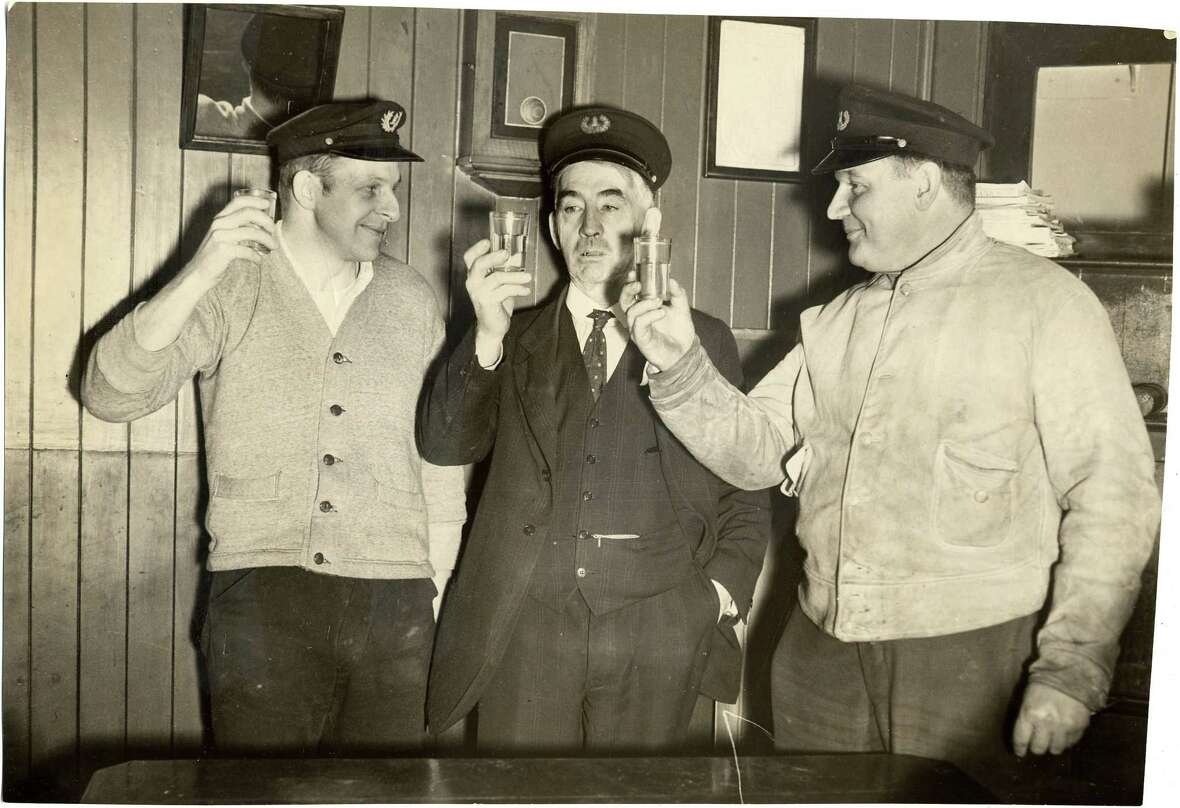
[356,207]
[598,211]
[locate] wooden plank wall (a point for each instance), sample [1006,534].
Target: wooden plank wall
[103,543]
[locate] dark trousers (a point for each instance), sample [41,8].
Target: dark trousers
[624,681]
[947,697]
[307,664]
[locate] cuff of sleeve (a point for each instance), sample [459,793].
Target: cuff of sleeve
[683,379]
[445,538]
[125,364]
[494,365]
[1075,676]
[722,569]
[728,607]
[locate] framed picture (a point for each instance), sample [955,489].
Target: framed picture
[759,72]
[248,68]
[533,73]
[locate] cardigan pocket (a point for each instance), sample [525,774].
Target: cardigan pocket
[973,502]
[244,511]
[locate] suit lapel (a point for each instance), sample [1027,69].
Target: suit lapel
[537,374]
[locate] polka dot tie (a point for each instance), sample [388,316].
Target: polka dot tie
[594,354]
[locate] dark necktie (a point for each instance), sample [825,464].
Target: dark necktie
[594,353]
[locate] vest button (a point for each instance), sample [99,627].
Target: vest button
[546,475]
[587,496]
[581,573]
[591,459]
[325,506]
[336,409]
[329,460]
[583,534]
[594,423]
[318,558]
[339,358]
[529,530]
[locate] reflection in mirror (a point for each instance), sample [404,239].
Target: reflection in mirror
[1102,143]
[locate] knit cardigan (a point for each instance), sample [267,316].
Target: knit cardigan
[309,438]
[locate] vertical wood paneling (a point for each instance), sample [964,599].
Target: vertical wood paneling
[433,125]
[19,149]
[751,255]
[957,66]
[713,280]
[352,68]
[149,602]
[57,291]
[54,624]
[610,60]
[102,660]
[873,53]
[187,729]
[790,255]
[908,61]
[684,67]
[391,76]
[16,619]
[107,190]
[643,81]
[158,49]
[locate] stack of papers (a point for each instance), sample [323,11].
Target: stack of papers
[1016,214]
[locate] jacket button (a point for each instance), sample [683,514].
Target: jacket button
[318,558]
[591,459]
[583,534]
[594,422]
[325,506]
[339,358]
[546,475]
[905,288]
[336,409]
[981,496]
[587,496]
[581,572]
[529,530]
[329,460]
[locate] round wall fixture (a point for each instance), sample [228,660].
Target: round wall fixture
[533,110]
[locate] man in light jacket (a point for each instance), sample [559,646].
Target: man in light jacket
[326,526]
[976,490]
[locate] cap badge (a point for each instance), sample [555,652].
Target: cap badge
[391,120]
[595,124]
[842,120]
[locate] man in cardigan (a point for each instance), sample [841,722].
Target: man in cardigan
[975,483]
[598,589]
[326,525]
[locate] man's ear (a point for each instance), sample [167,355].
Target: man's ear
[553,231]
[306,189]
[928,183]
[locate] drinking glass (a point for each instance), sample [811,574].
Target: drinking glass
[653,257]
[509,231]
[260,193]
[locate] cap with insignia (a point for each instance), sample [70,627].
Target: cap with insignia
[872,124]
[282,53]
[610,134]
[365,130]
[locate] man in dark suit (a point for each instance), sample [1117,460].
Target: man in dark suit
[598,590]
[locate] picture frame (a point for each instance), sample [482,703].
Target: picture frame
[249,67]
[759,74]
[534,73]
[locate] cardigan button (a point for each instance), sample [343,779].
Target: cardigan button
[339,358]
[336,409]
[318,558]
[326,506]
[329,460]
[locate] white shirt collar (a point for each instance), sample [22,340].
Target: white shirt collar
[580,306]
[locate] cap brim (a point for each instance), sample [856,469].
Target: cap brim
[837,159]
[378,153]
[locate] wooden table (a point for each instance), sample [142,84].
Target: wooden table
[788,779]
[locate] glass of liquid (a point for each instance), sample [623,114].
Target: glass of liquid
[653,257]
[509,232]
[272,199]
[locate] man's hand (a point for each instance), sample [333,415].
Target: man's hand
[493,295]
[663,333]
[1049,721]
[236,234]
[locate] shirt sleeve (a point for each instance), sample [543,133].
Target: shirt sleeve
[742,439]
[1102,471]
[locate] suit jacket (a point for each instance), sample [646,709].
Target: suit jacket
[467,412]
